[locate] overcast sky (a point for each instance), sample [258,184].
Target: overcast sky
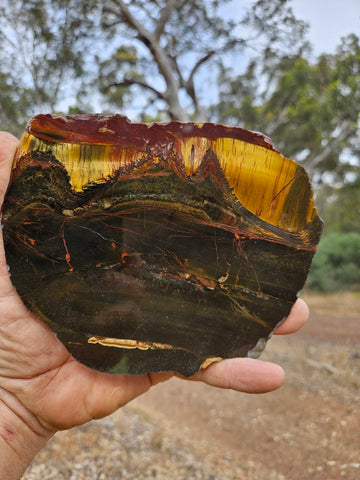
[329,21]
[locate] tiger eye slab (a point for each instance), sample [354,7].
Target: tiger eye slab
[159,247]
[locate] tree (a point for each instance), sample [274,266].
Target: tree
[340,206]
[173,41]
[311,110]
[43,48]
[162,54]
[15,105]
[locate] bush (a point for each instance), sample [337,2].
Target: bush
[336,265]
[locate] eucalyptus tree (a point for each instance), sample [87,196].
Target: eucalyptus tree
[44,57]
[175,49]
[310,108]
[157,58]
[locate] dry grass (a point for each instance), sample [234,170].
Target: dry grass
[343,303]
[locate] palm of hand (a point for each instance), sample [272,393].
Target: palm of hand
[37,370]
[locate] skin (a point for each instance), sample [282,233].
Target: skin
[43,389]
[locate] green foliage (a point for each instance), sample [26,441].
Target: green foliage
[340,207]
[311,110]
[336,265]
[15,106]
[43,46]
[123,62]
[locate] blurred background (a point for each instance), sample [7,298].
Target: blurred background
[287,68]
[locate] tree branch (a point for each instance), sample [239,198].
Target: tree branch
[190,86]
[164,17]
[190,80]
[162,60]
[346,132]
[130,19]
[112,11]
[127,82]
[177,69]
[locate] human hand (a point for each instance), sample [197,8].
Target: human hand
[43,389]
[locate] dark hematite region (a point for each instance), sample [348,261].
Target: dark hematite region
[156,247]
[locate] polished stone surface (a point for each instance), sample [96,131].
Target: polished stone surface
[156,247]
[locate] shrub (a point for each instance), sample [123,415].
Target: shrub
[336,265]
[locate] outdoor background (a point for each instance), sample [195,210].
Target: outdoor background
[287,68]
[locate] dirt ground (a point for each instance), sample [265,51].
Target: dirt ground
[309,429]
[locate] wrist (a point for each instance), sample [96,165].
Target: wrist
[21,437]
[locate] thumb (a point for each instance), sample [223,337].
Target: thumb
[8,145]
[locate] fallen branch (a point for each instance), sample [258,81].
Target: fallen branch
[323,366]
